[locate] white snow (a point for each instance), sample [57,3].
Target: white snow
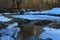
[31,12]
[4,19]
[6,37]
[52,33]
[11,13]
[10,31]
[12,25]
[6,13]
[52,11]
[38,17]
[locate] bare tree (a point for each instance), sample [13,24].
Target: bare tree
[18,2]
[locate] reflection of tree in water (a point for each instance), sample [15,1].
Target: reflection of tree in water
[26,29]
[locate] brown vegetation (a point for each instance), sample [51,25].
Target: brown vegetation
[29,4]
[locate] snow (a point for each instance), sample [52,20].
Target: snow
[0,14]
[9,31]
[31,13]
[4,19]
[37,17]
[52,33]
[11,13]
[5,37]
[12,25]
[6,13]
[55,11]
[47,28]
[12,31]
[52,11]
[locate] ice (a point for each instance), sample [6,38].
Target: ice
[51,33]
[4,19]
[37,17]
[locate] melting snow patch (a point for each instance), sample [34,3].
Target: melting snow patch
[5,19]
[37,17]
[10,31]
[52,11]
[52,33]
[12,25]
[30,13]
[6,13]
